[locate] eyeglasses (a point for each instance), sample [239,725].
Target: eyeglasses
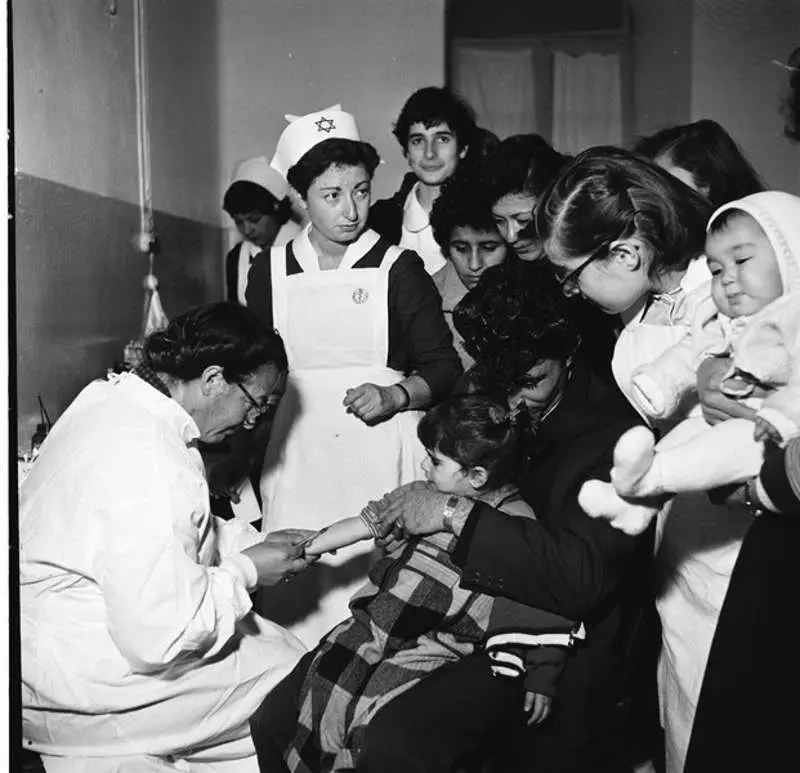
[255,407]
[569,281]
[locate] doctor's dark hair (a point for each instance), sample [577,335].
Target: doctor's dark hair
[475,432]
[515,317]
[606,193]
[244,197]
[434,105]
[224,334]
[704,149]
[331,152]
[524,164]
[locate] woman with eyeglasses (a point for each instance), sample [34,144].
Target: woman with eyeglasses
[629,237]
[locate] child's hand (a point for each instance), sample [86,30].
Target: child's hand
[766,431]
[538,706]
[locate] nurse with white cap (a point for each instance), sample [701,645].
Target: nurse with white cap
[368,348]
[257,202]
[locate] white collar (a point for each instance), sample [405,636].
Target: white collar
[308,257]
[415,218]
[170,411]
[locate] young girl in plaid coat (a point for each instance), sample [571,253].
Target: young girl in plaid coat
[412,616]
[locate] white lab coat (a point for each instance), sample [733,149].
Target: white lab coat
[137,631]
[698,542]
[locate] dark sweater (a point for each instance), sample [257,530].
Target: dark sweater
[386,215]
[569,563]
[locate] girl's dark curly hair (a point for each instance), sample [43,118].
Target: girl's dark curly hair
[513,319]
[522,164]
[475,432]
[223,334]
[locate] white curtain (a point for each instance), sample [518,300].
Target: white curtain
[587,101]
[499,84]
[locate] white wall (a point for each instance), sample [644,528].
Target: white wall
[662,63]
[75,100]
[78,277]
[735,82]
[297,56]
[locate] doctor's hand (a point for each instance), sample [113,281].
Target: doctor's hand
[371,403]
[280,555]
[716,405]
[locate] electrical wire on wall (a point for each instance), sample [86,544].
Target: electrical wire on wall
[153,316]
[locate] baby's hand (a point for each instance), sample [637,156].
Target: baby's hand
[766,431]
[537,706]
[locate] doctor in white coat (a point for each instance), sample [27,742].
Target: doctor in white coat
[140,650]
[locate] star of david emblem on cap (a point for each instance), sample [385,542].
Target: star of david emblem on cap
[325,125]
[360,295]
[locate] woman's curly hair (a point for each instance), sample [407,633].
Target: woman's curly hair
[513,319]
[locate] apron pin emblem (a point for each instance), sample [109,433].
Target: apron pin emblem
[360,295]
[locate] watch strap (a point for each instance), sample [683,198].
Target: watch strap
[449,511]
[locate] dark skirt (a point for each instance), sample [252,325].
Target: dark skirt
[747,714]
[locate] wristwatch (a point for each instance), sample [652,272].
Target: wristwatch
[751,502]
[449,511]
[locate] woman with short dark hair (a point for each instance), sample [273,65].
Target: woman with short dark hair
[368,348]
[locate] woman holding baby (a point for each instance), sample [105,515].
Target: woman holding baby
[632,239]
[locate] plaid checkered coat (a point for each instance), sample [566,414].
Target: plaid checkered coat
[408,620]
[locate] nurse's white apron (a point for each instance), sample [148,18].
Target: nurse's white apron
[697,546]
[322,463]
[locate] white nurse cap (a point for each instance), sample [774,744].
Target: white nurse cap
[257,170]
[306,131]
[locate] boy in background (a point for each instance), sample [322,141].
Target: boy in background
[435,129]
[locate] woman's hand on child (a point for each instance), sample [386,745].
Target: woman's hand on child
[418,507]
[766,431]
[537,706]
[370,402]
[716,405]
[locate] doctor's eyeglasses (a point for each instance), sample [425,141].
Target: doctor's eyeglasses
[256,409]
